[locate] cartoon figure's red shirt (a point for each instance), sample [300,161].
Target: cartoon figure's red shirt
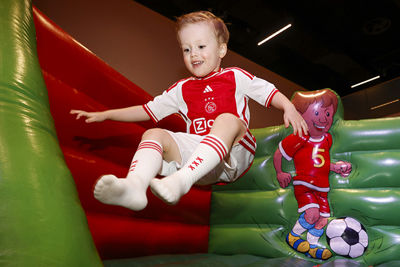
[311,159]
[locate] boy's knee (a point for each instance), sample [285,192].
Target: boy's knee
[227,116]
[229,127]
[154,134]
[230,119]
[170,148]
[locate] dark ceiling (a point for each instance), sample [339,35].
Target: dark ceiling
[332,43]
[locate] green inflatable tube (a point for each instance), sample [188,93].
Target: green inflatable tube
[41,220]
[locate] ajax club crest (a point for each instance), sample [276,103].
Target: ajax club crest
[210,107]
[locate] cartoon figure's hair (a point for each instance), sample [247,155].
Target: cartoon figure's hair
[221,31]
[301,100]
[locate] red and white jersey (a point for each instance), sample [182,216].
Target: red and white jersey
[200,100]
[311,160]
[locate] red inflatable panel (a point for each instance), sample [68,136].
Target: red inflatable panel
[128,238]
[78,79]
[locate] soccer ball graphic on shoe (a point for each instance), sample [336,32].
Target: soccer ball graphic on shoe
[347,237]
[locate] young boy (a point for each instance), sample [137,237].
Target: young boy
[218,146]
[311,158]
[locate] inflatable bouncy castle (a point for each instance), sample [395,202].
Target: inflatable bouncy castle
[49,163]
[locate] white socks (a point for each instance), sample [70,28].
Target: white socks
[206,157]
[147,162]
[131,192]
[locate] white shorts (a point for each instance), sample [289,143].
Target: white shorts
[239,162]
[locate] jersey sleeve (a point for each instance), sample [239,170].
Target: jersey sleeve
[290,145]
[163,105]
[262,91]
[256,88]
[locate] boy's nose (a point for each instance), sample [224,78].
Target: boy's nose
[193,53]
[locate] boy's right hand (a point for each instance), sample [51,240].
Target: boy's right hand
[91,116]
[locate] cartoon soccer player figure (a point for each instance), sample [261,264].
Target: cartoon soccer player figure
[312,162]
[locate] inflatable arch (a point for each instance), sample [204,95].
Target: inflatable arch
[49,163]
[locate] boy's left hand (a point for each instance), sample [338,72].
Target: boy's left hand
[293,117]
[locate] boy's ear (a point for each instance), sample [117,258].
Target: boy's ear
[223,48]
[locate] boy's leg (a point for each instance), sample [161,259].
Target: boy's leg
[226,131]
[156,144]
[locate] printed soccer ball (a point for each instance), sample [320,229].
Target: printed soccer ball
[347,237]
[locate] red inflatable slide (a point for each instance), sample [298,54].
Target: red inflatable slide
[78,79]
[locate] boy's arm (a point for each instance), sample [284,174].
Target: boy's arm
[291,115]
[129,114]
[284,178]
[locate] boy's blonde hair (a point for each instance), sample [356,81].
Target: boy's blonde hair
[221,31]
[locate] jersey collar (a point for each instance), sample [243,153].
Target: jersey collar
[211,74]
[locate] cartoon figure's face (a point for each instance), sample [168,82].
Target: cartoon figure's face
[319,119]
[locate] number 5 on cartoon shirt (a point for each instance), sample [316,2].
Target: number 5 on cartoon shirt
[312,162]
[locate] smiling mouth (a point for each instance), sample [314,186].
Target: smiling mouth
[319,126]
[197,63]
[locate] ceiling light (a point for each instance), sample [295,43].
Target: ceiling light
[385,104]
[275,34]
[357,84]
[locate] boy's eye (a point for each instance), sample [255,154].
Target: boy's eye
[202,46]
[186,50]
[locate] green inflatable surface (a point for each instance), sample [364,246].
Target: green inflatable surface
[41,219]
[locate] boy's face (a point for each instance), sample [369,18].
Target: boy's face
[319,119]
[202,53]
